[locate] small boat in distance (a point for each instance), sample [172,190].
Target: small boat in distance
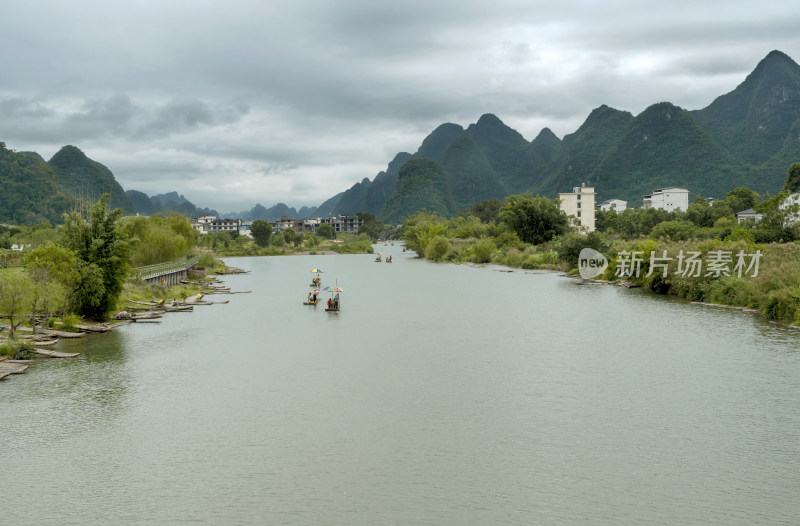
[378,259]
[312,298]
[334,303]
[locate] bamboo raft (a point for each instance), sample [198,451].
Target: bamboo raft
[64,334]
[55,354]
[11,368]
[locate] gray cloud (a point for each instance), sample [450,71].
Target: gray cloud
[295,102]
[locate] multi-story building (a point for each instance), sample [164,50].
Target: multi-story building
[211,224]
[669,199]
[579,204]
[347,224]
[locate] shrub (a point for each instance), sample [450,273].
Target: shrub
[678,230]
[483,250]
[783,305]
[17,350]
[69,322]
[514,258]
[508,239]
[437,248]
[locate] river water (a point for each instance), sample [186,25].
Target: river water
[440,394]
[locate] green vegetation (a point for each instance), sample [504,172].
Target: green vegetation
[710,231]
[17,350]
[262,232]
[30,192]
[81,176]
[102,254]
[423,185]
[792,183]
[158,239]
[536,220]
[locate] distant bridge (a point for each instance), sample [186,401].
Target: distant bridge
[167,274]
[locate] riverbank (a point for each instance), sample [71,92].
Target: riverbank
[29,347]
[740,274]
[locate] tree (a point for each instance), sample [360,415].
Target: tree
[103,253]
[742,198]
[371,226]
[437,248]
[327,231]
[262,232]
[51,269]
[421,228]
[792,183]
[312,239]
[158,240]
[677,230]
[778,221]
[289,236]
[699,212]
[14,298]
[536,220]
[486,210]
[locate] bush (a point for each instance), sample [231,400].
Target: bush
[569,246]
[514,258]
[508,239]
[783,305]
[678,230]
[69,322]
[483,250]
[17,350]
[437,248]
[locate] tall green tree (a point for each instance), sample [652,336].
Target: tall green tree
[792,183]
[327,231]
[742,198]
[536,220]
[262,232]
[371,226]
[53,272]
[103,254]
[14,298]
[290,235]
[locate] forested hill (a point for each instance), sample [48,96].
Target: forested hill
[748,137]
[29,191]
[85,178]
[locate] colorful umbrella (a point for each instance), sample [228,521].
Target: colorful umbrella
[333,288]
[316,271]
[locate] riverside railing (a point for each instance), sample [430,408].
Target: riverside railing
[161,269]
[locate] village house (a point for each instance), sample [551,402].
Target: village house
[616,205]
[748,216]
[669,199]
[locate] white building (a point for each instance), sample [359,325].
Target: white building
[748,215]
[617,205]
[579,204]
[792,200]
[211,224]
[669,199]
[245,228]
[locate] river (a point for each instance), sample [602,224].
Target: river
[440,394]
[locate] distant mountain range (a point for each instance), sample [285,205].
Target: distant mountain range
[748,137]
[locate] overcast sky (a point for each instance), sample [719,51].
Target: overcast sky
[255,101]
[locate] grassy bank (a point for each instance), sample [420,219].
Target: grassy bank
[772,286]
